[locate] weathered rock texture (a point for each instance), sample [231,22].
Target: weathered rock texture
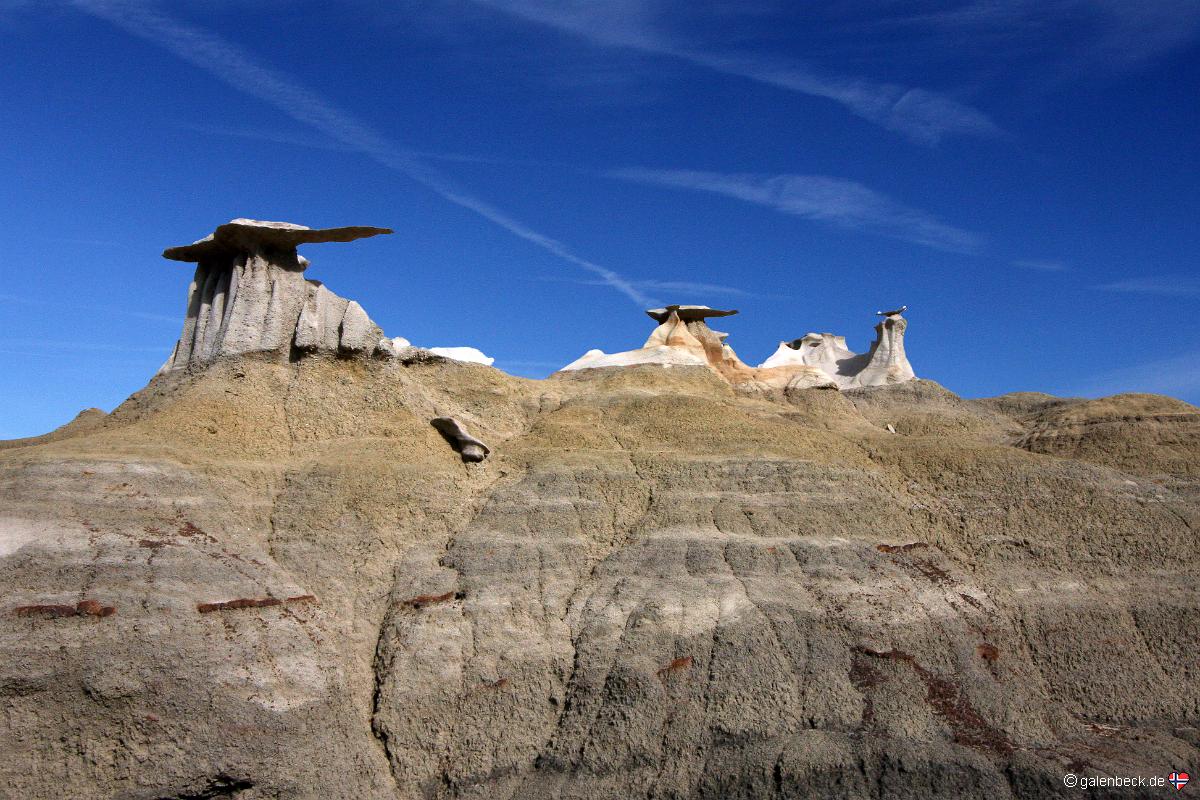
[655,586]
[819,360]
[470,448]
[274,578]
[249,294]
[885,363]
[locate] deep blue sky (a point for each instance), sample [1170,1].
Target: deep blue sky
[1024,175]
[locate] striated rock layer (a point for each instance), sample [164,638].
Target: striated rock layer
[263,579]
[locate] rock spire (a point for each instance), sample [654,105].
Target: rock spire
[249,294]
[683,338]
[885,363]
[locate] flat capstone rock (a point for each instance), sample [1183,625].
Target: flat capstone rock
[252,235]
[687,313]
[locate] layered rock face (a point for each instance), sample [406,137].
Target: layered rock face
[272,578]
[249,294]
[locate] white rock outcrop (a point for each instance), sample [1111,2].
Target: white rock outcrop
[682,339]
[470,354]
[827,353]
[818,360]
[249,294]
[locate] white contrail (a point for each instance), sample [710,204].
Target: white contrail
[229,64]
[834,201]
[921,115]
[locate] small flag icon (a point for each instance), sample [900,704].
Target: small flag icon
[1178,779]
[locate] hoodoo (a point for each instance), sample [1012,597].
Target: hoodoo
[884,363]
[325,563]
[250,294]
[683,338]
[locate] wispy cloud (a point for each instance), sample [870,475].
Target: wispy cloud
[690,287]
[921,115]
[295,139]
[1042,265]
[834,201]
[693,287]
[1178,375]
[1112,34]
[1167,285]
[237,69]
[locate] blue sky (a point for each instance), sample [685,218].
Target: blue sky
[1024,175]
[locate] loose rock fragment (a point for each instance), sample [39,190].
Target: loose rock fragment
[470,448]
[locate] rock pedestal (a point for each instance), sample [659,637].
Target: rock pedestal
[884,363]
[817,360]
[249,294]
[682,339]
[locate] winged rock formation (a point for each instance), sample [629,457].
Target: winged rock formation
[272,578]
[885,363]
[249,294]
[683,338]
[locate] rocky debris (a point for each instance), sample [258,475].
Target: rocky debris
[885,363]
[84,608]
[249,294]
[253,602]
[467,445]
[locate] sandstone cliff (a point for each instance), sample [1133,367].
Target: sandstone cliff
[264,577]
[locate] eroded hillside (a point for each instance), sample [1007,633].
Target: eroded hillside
[263,579]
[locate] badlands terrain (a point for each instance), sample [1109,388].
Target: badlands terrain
[268,575]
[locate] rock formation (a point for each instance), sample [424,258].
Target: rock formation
[818,360]
[885,363]
[682,339]
[249,294]
[270,578]
[472,355]
[470,448]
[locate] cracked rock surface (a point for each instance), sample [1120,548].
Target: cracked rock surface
[655,586]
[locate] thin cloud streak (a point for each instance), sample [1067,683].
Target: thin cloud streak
[320,143]
[1042,265]
[921,115]
[232,66]
[1162,285]
[834,201]
[1178,375]
[1112,34]
[693,287]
